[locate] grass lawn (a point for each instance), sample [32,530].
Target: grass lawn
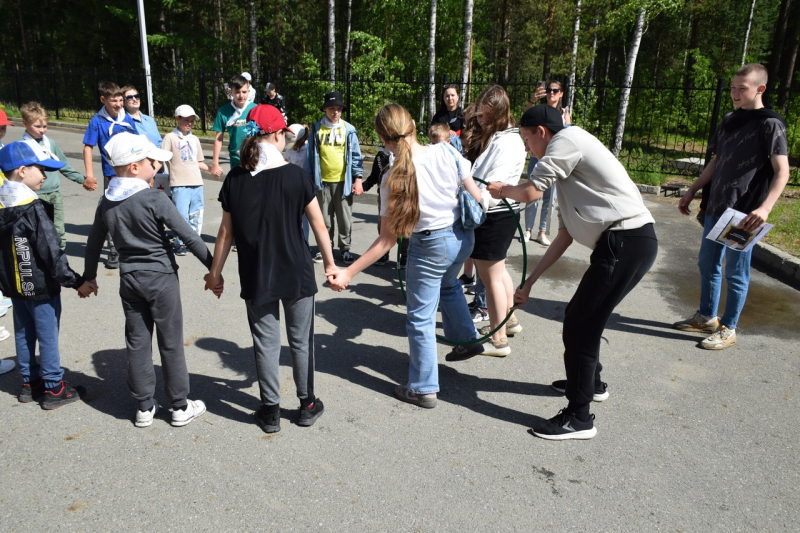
[786,218]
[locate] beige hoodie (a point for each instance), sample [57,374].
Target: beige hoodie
[594,190]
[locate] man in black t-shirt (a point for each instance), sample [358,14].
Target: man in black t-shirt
[748,173]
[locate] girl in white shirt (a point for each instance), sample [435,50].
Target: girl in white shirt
[419,202]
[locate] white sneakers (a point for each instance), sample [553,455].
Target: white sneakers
[145,418]
[543,240]
[720,339]
[194,408]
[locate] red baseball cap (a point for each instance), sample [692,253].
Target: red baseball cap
[4,119]
[268,118]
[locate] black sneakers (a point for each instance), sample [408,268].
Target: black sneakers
[566,426]
[309,413]
[467,281]
[462,353]
[59,396]
[268,418]
[600,389]
[33,391]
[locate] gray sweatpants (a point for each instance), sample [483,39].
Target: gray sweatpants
[333,204]
[148,299]
[265,325]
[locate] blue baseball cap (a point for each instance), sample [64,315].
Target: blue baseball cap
[24,154]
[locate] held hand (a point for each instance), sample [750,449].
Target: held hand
[521,296]
[683,205]
[494,189]
[90,183]
[216,171]
[755,219]
[357,187]
[214,284]
[88,288]
[339,281]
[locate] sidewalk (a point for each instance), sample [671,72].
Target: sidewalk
[689,439]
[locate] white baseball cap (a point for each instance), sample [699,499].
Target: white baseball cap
[298,130]
[246,75]
[126,148]
[186,111]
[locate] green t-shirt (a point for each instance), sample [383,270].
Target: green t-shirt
[236,131]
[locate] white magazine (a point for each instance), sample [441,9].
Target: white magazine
[728,231]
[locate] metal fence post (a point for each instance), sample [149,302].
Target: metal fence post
[96,87]
[55,90]
[715,116]
[349,78]
[203,99]
[17,87]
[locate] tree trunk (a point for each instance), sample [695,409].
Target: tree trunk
[789,60]
[466,54]
[432,62]
[688,77]
[590,70]
[332,41]
[630,66]
[747,32]
[506,38]
[252,27]
[277,60]
[573,67]
[778,39]
[347,43]
[551,19]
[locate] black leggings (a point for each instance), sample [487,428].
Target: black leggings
[618,263]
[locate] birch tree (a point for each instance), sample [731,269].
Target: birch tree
[432,62]
[747,32]
[625,93]
[347,43]
[467,51]
[573,67]
[332,41]
[252,26]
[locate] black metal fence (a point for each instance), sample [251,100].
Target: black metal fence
[666,131]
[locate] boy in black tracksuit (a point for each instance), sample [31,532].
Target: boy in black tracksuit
[33,268]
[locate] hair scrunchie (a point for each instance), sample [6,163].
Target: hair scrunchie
[251,128]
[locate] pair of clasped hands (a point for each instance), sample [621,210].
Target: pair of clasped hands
[338,280]
[88,288]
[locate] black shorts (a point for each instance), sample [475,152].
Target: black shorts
[493,237]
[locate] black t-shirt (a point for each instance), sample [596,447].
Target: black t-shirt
[454,118]
[267,210]
[743,171]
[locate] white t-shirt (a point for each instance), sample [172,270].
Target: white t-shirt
[297,157]
[440,171]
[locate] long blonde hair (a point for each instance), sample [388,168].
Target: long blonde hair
[394,123]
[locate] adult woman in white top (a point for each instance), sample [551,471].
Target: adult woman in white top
[493,144]
[419,202]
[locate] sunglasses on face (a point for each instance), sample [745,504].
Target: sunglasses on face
[132,97]
[552,90]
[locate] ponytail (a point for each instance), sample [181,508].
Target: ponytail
[395,123]
[249,153]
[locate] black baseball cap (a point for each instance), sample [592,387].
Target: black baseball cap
[333,98]
[542,115]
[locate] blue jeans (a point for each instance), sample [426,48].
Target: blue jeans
[434,262]
[190,203]
[480,291]
[737,274]
[547,199]
[38,320]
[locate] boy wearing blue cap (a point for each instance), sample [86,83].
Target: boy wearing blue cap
[33,268]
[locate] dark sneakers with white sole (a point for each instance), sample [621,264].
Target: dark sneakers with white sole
[566,426]
[600,389]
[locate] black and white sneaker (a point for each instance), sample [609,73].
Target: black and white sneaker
[600,389]
[566,426]
[467,281]
[318,257]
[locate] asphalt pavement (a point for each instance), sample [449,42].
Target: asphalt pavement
[689,440]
